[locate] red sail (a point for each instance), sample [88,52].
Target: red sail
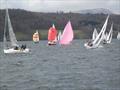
[52,33]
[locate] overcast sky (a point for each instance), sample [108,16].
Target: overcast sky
[61,5]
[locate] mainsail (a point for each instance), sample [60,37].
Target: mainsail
[109,36]
[8,28]
[52,33]
[36,36]
[99,38]
[67,35]
[59,35]
[95,34]
[118,36]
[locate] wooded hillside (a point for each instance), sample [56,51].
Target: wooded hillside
[25,23]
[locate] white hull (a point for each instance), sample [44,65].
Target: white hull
[52,43]
[92,47]
[89,47]
[11,50]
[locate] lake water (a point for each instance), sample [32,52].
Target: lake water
[57,67]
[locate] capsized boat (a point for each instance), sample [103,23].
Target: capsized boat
[96,43]
[12,46]
[67,35]
[52,35]
[36,37]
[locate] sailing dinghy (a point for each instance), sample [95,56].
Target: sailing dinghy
[52,35]
[67,35]
[36,37]
[59,36]
[118,36]
[96,43]
[108,36]
[12,46]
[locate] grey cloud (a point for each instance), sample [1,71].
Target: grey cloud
[62,5]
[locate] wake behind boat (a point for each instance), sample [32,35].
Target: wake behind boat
[13,46]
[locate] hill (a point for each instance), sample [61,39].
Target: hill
[25,23]
[96,11]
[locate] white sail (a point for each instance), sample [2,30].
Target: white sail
[9,28]
[8,33]
[99,38]
[59,35]
[5,31]
[105,36]
[109,37]
[95,34]
[95,43]
[36,36]
[118,36]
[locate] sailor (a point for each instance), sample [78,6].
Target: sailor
[16,48]
[90,43]
[23,47]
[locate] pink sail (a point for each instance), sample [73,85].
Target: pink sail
[67,35]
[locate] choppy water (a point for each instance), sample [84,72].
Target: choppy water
[61,68]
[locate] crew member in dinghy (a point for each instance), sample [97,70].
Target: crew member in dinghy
[52,35]
[23,47]
[16,48]
[90,43]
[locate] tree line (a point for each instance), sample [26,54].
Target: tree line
[26,22]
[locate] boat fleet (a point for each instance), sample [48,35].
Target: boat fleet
[11,44]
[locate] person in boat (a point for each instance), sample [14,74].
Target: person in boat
[90,43]
[23,47]
[104,41]
[16,48]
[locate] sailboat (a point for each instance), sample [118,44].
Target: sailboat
[105,37]
[52,35]
[67,35]
[59,36]
[12,46]
[36,37]
[95,34]
[96,43]
[109,36]
[118,36]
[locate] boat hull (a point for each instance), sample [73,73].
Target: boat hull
[92,47]
[89,47]
[36,41]
[51,43]
[12,50]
